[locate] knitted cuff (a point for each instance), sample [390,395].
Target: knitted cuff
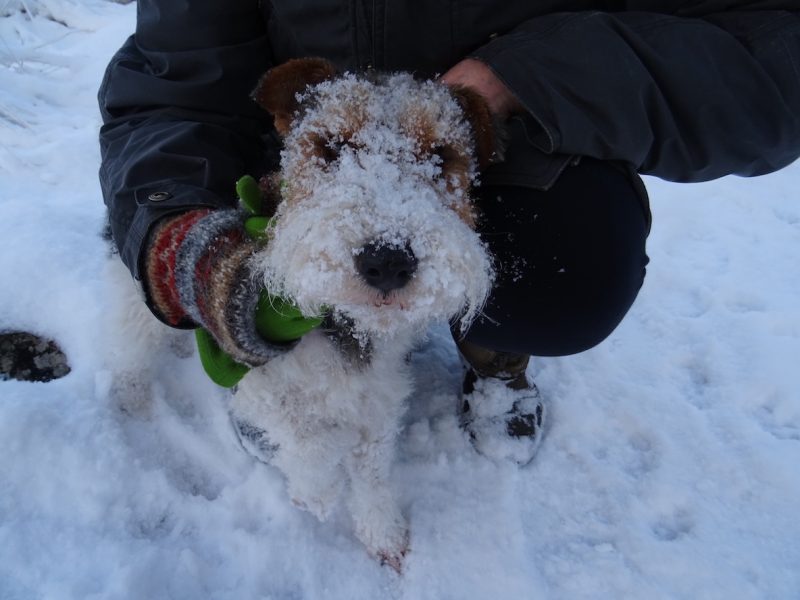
[197,269]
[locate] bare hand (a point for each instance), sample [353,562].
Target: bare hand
[473,74]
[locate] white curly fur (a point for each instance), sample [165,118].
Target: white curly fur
[335,421]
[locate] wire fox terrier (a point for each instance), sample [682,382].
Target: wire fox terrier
[375,229]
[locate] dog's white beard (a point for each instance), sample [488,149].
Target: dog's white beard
[310,256]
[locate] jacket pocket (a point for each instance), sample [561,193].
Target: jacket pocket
[524,163]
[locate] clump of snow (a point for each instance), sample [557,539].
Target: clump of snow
[669,469]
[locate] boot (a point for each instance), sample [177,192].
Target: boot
[501,409]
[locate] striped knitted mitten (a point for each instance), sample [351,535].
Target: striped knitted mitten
[198,272]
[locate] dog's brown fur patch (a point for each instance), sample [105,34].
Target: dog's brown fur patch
[488,147]
[454,159]
[277,90]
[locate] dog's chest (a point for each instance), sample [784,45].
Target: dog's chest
[316,380]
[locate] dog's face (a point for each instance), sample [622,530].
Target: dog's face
[376,220]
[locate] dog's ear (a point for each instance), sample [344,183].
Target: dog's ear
[487,129]
[278,88]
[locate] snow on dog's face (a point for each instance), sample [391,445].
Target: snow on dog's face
[376,221]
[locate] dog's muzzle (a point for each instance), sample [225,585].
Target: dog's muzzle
[385,267]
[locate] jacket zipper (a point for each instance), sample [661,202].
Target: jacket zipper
[371,62]
[371,19]
[377,34]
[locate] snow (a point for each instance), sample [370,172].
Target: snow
[669,469]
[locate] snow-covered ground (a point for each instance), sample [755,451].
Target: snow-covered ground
[671,468]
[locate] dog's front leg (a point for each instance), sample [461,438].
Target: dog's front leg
[378,522]
[311,462]
[293,399]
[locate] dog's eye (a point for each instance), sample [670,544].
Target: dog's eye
[445,153]
[331,149]
[327,147]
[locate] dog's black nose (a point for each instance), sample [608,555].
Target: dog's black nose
[386,267]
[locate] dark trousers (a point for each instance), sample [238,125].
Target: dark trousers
[570,261]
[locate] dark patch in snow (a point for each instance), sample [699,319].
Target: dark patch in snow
[28,357]
[672,527]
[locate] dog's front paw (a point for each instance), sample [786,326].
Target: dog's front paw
[394,557]
[386,538]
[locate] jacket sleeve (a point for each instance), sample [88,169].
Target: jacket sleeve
[179,126]
[685,99]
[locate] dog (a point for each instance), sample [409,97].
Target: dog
[375,229]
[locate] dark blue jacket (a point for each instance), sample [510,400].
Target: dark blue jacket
[685,90]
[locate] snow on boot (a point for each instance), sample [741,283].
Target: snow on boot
[501,410]
[503,423]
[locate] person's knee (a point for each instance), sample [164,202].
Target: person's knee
[571,262]
[558,325]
